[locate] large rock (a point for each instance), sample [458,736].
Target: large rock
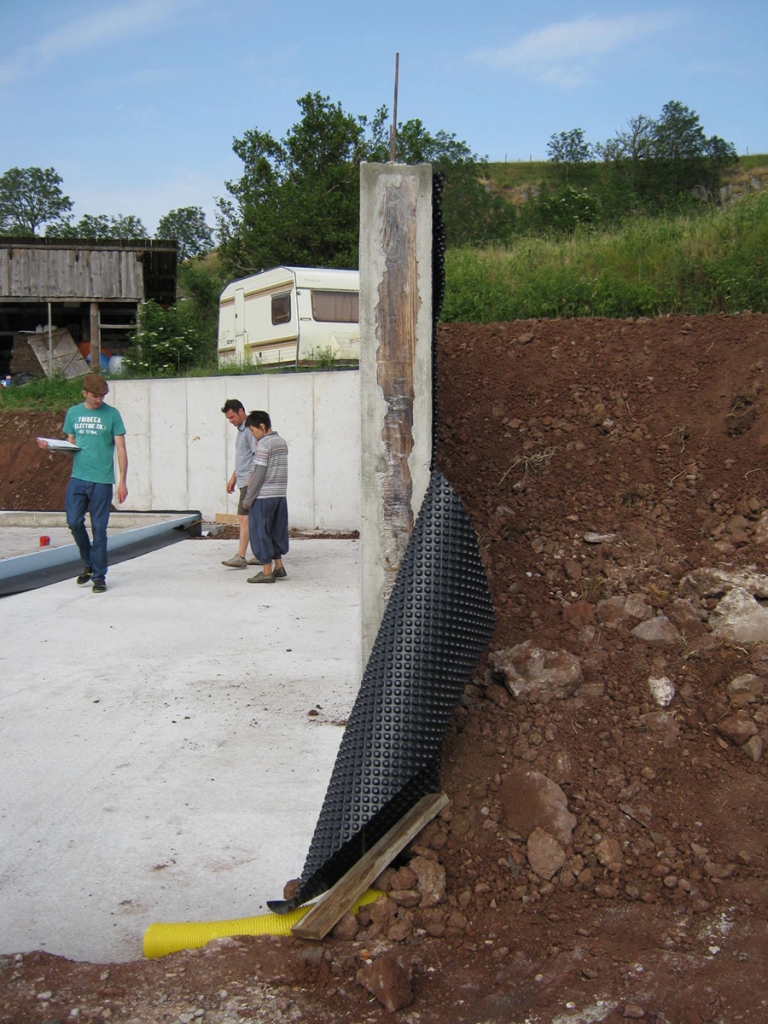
[663,726]
[388,978]
[527,667]
[684,616]
[529,800]
[737,728]
[545,855]
[430,880]
[711,582]
[611,609]
[740,618]
[761,529]
[658,630]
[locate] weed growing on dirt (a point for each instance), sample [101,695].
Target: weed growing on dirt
[636,494]
[742,414]
[592,588]
[534,463]
[324,359]
[684,650]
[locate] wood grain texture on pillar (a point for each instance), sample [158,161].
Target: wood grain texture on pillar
[396,319]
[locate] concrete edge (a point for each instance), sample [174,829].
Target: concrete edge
[40,567]
[119,520]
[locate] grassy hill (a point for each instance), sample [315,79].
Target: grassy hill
[518,181]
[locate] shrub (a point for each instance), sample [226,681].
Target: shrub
[168,341]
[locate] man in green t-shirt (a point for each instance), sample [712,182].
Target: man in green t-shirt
[97,429]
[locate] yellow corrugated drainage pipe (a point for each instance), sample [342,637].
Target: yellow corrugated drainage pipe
[162,939]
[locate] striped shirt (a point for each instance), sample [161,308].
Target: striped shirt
[272,457]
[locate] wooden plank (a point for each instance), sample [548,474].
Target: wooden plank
[67,361]
[332,905]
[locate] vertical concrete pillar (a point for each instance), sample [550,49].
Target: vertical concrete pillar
[395,372]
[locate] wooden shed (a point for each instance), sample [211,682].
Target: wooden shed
[90,288]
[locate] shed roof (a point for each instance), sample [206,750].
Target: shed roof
[45,269]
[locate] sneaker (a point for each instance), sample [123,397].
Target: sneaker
[280,574]
[85,577]
[262,577]
[99,587]
[235,562]
[252,561]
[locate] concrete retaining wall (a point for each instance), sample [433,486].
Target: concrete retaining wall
[181,448]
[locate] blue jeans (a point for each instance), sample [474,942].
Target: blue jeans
[84,496]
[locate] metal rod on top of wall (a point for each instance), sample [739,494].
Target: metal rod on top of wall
[393,126]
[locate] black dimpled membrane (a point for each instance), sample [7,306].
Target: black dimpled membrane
[437,622]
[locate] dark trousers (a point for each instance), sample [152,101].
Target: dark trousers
[84,496]
[268,528]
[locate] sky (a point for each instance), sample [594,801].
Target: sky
[136,103]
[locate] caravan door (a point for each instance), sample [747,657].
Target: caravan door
[241,335]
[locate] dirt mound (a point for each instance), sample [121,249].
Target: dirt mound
[616,476]
[31,479]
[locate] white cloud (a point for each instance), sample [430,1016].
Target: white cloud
[110,25]
[562,54]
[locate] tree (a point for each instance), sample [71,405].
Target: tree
[29,197]
[298,200]
[100,226]
[168,340]
[634,143]
[670,160]
[127,227]
[569,150]
[200,283]
[187,225]
[677,135]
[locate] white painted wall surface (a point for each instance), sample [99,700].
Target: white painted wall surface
[181,448]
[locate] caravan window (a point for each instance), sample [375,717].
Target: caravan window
[281,308]
[336,307]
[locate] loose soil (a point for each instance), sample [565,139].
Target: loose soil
[651,436]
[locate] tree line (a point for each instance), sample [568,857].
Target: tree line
[652,166]
[297,200]
[32,197]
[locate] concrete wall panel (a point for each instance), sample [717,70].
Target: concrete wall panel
[181,449]
[168,444]
[133,404]
[336,436]
[205,431]
[291,409]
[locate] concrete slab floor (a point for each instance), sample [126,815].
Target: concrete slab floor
[165,747]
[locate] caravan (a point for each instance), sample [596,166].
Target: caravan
[290,315]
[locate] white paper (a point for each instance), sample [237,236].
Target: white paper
[55,445]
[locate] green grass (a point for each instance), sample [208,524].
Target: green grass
[753,161]
[526,174]
[47,394]
[519,175]
[713,262]
[56,394]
